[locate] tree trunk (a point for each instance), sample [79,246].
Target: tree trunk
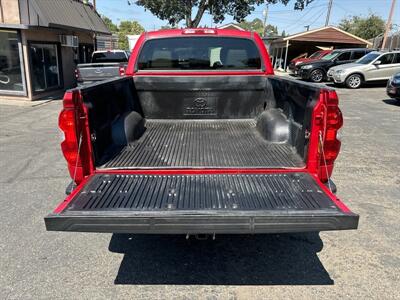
[202,8]
[188,22]
[188,14]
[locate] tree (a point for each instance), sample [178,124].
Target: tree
[363,27]
[110,25]
[126,28]
[271,30]
[255,25]
[283,33]
[175,11]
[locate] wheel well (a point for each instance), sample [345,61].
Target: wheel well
[356,73]
[319,69]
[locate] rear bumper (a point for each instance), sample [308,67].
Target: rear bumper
[240,223]
[87,82]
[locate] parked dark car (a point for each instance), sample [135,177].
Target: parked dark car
[393,87]
[296,62]
[316,71]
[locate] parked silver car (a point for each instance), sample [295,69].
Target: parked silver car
[374,66]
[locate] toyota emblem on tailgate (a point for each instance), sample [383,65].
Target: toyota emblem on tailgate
[200,102]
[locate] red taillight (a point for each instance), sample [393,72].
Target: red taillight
[69,123]
[76,148]
[121,71]
[324,144]
[331,144]
[69,147]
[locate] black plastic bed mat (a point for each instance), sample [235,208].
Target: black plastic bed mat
[203,143]
[196,192]
[209,203]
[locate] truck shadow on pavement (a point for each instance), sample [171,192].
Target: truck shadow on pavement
[391,102]
[370,85]
[228,260]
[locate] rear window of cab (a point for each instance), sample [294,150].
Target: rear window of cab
[109,57]
[199,53]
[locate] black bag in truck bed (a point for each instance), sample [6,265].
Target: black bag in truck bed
[201,203]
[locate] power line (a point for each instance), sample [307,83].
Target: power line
[346,9]
[298,22]
[316,19]
[311,8]
[288,11]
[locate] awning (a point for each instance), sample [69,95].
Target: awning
[72,14]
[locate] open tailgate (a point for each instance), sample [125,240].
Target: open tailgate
[99,71]
[201,201]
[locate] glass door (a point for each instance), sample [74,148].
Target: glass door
[45,67]
[85,53]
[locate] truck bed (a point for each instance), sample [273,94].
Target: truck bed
[202,143]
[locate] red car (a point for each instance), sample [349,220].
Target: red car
[294,63]
[200,137]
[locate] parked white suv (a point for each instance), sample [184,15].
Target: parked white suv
[374,66]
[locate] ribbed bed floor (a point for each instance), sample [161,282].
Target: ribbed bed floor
[295,191]
[203,143]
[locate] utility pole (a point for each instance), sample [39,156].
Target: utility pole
[388,24]
[265,14]
[94,4]
[307,27]
[328,15]
[1,13]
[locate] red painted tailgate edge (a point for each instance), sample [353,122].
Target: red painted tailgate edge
[71,196]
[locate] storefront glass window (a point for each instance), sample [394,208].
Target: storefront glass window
[45,66]
[10,63]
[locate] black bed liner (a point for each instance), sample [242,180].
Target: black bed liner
[203,143]
[206,203]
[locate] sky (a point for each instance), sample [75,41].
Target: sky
[285,17]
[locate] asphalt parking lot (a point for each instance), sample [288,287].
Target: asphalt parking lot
[36,264]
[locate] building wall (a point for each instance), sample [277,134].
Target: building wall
[68,55]
[9,12]
[18,15]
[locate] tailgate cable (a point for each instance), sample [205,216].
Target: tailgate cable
[77,157]
[323,157]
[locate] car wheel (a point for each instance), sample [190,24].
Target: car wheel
[317,75]
[354,81]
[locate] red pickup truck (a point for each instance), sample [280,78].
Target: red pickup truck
[200,137]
